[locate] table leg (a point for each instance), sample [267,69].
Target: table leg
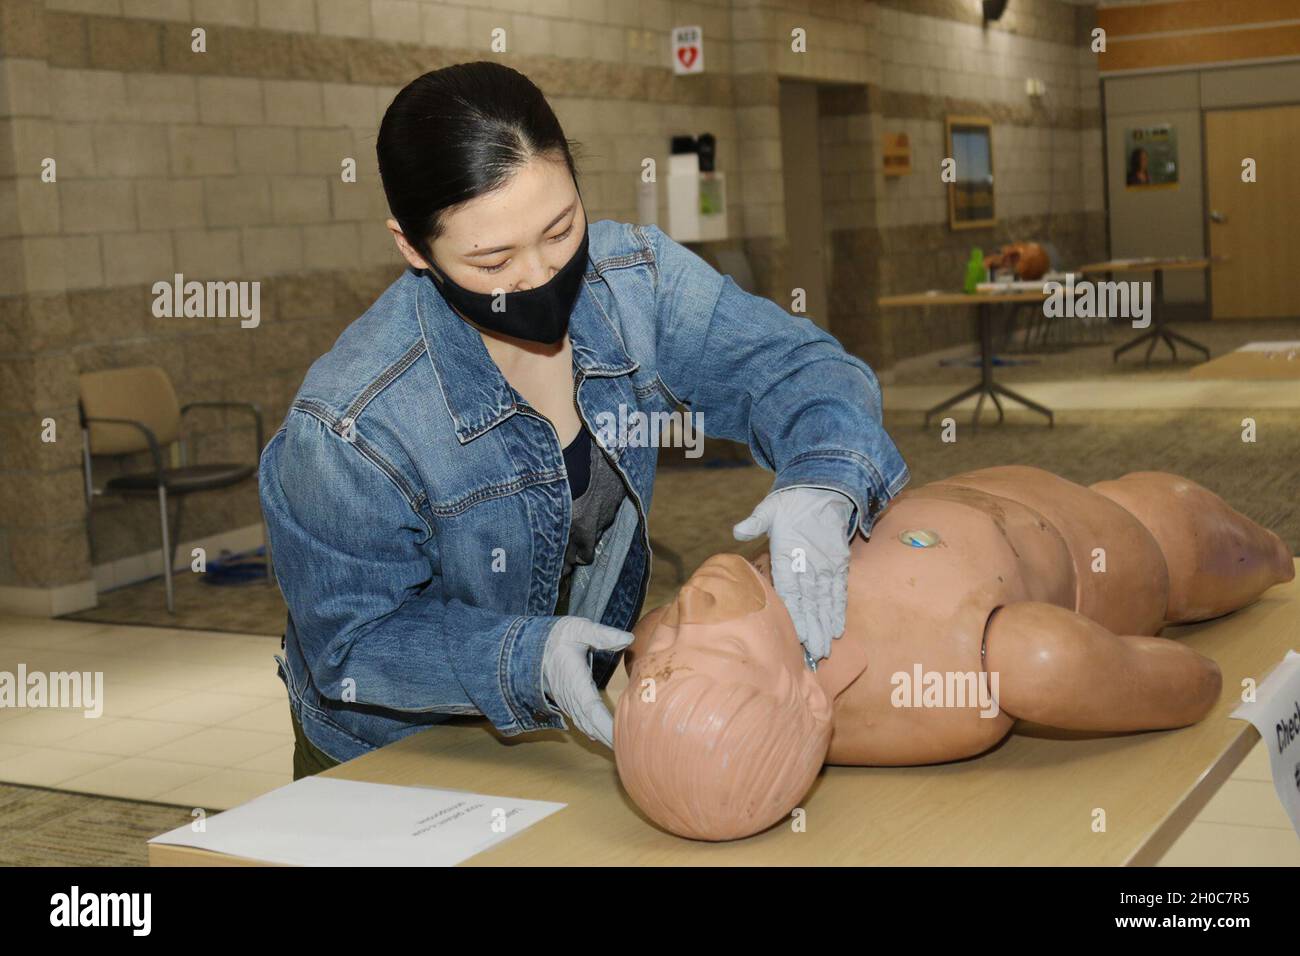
[1151,334]
[948,403]
[1171,335]
[1157,314]
[1028,403]
[987,387]
[1159,331]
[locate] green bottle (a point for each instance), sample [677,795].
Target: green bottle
[975,271]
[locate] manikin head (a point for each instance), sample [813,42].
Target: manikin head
[1029,260]
[722,728]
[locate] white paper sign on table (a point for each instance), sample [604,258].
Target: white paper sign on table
[324,821]
[1286,347]
[1275,712]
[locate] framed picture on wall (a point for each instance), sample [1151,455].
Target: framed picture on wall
[970,186]
[1151,158]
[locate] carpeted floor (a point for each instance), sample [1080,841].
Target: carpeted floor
[251,608]
[52,828]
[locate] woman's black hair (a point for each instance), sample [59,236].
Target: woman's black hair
[457,133]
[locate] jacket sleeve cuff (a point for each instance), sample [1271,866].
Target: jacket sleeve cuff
[521,678]
[847,472]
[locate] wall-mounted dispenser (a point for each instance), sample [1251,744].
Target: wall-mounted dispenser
[697,192]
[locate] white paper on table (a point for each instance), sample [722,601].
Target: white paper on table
[1275,712]
[1270,347]
[1011,286]
[1022,285]
[324,821]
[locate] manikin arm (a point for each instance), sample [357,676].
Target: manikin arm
[1061,669]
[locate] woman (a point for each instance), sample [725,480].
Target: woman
[448,536]
[1138,173]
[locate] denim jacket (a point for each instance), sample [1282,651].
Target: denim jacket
[419,508]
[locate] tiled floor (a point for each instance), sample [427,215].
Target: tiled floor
[199,719]
[1242,825]
[193,718]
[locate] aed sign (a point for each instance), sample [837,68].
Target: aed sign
[688,50]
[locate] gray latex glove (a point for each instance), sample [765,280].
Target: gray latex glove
[815,520]
[566,673]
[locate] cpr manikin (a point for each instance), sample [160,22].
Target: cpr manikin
[1029,596]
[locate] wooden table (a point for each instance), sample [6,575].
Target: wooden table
[1031,801]
[1251,365]
[986,386]
[1159,331]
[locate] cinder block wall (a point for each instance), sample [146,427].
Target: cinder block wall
[226,165]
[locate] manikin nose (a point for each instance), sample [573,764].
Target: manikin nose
[695,605]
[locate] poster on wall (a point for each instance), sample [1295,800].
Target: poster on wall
[898,154]
[1151,158]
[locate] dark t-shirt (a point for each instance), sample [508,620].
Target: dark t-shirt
[577,462]
[597,492]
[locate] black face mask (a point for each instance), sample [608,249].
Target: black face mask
[539,314]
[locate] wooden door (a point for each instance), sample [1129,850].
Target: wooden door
[1255,226]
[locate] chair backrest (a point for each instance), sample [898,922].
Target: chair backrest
[143,393]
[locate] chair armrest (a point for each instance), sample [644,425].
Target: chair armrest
[250,407]
[149,436]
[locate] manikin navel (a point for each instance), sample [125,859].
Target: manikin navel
[1008,592]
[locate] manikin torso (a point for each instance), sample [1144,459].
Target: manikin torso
[1003,536]
[1033,537]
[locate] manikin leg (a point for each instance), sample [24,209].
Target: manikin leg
[1219,560]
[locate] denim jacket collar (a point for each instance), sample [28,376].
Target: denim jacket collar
[476,394]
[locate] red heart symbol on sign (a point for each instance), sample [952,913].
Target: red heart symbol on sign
[687,55]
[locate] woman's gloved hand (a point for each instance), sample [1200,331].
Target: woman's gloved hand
[566,673]
[809,533]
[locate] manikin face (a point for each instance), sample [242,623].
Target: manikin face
[727,623]
[722,728]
